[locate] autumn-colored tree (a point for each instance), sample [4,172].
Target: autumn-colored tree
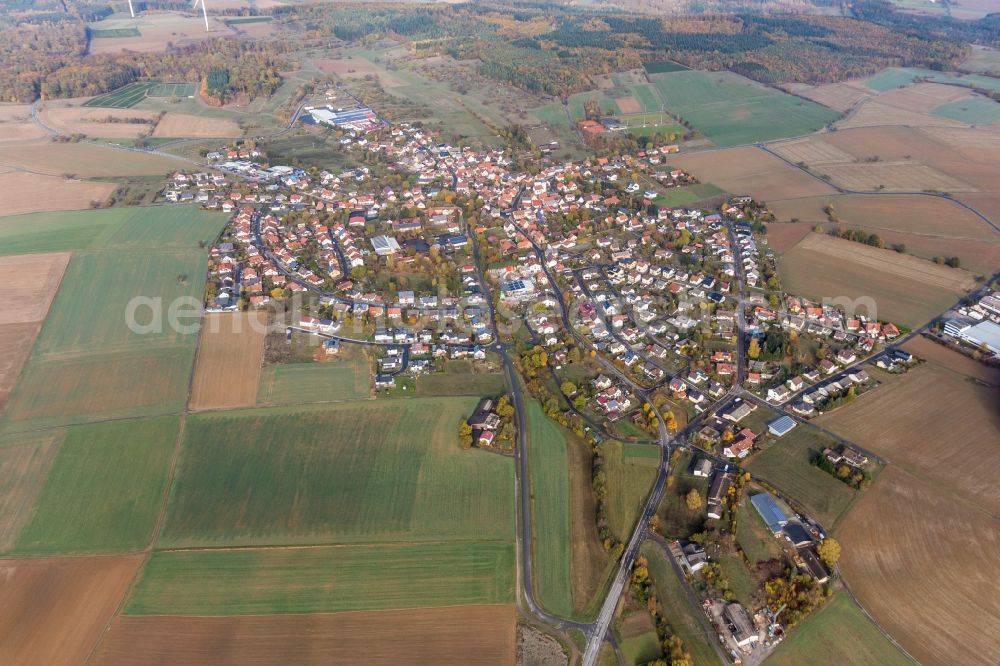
[829,550]
[693,500]
[465,435]
[753,351]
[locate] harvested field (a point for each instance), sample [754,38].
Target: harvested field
[904,289]
[52,611]
[157,30]
[938,354]
[31,192]
[872,113]
[901,558]
[782,236]
[931,423]
[459,634]
[35,279]
[891,177]
[838,96]
[98,122]
[252,581]
[16,123]
[230,352]
[23,467]
[185,125]
[924,97]
[751,171]
[16,341]
[811,151]
[82,159]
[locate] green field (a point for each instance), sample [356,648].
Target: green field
[732,110]
[101,33]
[787,465]
[838,633]
[975,111]
[687,194]
[368,471]
[459,378]
[642,648]
[646,96]
[25,460]
[104,489]
[664,66]
[680,614]
[124,98]
[898,77]
[753,536]
[548,470]
[151,228]
[236,20]
[296,383]
[630,473]
[324,579]
[173,90]
[555,113]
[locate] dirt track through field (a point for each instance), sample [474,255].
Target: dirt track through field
[452,635]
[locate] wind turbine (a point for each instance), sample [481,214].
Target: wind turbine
[130,10]
[204,12]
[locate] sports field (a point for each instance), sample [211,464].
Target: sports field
[786,464]
[548,470]
[324,579]
[731,110]
[630,475]
[355,472]
[104,489]
[679,612]
[123,98]
[837,634]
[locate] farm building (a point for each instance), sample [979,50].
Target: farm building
[740,625]
[797,535]
[781,426]
[770,512]
[813,566]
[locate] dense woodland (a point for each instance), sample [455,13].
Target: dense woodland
[539,47]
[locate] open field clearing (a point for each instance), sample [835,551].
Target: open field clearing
[35,279]
[345,378]
[105,123]
[24,462]
[642,648]
[787,464]
[348,473]
[837,634]
[185,125]
[932,422]
[31,192]
[902,559]
[478,635]
[448,383]
[679,612]
[91,387]
[931,351]
[347,66]
[104,489]
[975,111]
[904,289]
[324,579]
[892,177]
[152,229]
[16,123]
[751,171]
[82,321]
[838,96]
[982,59]
[52,611]
[82,159]
[688,194]
[588,559]
[811,151]
[227,368]
[731,110]
[929,227]
[754,538]
[157,30]
[629,481]
[549,476]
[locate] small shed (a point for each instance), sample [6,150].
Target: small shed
[781,426]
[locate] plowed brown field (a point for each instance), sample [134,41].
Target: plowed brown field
[53,610]
[751,171]
[227,372]
[467,635]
